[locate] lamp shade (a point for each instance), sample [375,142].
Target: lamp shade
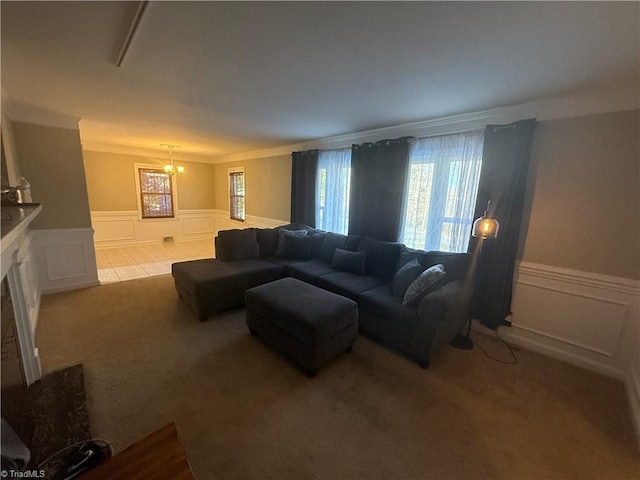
[485,227]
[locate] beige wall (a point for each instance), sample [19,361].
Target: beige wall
[585,199]
[12,168]
[585,212]
[50,158]
[268,186]
[111,182]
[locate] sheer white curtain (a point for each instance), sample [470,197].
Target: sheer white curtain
[440,197]
[332,190]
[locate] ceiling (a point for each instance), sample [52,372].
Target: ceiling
[226,77]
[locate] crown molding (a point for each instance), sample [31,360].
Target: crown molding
[162,154]
[576,104]
[26,113]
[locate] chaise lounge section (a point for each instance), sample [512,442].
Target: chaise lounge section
[377,276]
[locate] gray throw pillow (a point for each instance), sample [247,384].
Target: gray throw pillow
[426,282]
[348,261]
[282,233]
[405,276]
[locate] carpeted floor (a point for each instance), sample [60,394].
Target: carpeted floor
[244,411]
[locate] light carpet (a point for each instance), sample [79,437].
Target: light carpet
[244,411]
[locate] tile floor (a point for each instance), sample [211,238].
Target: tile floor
[127,263]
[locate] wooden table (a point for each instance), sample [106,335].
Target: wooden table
[158,456]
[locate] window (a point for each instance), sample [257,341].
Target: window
[440,196]
[333,183]
[236,194]
[156,193]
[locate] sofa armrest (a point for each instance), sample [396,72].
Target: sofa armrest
[442,315]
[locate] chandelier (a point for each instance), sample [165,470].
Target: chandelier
[171,169]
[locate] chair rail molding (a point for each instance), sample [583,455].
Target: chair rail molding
[66,259]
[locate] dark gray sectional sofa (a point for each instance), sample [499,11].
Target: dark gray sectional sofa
[362,269]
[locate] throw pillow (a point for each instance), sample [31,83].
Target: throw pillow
[382,257]
[349,261]
[335,240]
[405,277]
[282,233]
[426,282]
[296,248]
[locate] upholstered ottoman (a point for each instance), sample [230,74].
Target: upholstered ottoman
[308,324]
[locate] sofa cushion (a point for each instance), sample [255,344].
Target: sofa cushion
[310,271]
[455,264]
[296,248]
[349,284]
[426,282]
[382,257]
[282,233]
[210,285]
[404,277]
[235,245]
[348,261]
[335,240]
[267,241]
[383,317]
[316,244]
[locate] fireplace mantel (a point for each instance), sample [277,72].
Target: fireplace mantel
[18,266]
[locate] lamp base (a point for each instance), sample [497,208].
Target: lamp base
[462,342]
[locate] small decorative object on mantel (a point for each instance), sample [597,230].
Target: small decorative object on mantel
[171,169]
[18,195]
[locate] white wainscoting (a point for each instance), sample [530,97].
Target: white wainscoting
[122,228]
[66,259]
[584,318]
[587,319]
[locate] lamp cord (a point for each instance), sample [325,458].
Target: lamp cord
[512,351]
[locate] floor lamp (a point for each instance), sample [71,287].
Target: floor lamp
[484,228]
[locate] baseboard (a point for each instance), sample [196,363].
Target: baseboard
[69,287]
[542,345]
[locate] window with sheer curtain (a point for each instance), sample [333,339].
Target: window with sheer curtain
[333,182]
[441,189]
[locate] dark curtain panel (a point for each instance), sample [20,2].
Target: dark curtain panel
[303,187]
[505,163]
[378,174]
